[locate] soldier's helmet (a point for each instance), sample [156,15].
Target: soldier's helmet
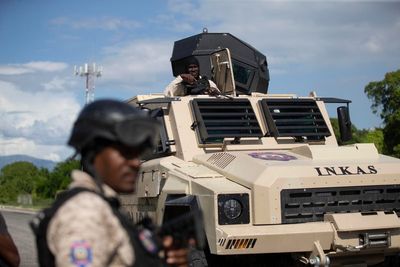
[192,60]
[113,121]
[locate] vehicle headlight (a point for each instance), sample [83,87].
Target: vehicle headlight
[233,209]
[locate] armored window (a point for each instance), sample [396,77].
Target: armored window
[216,119]
[298,118]
[163,146]
[243,75]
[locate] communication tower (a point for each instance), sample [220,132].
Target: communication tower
[90,71]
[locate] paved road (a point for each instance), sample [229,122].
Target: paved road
[20,231]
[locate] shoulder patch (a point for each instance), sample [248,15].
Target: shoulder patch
[147,239]
[81,253]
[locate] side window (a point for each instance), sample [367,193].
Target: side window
[243,74]
[163,147]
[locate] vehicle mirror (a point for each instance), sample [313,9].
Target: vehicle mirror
[344,123]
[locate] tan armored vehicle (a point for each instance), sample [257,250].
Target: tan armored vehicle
[274,186]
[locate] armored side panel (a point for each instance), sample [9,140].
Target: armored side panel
[250,67]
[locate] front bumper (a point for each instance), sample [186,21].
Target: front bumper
[338,233]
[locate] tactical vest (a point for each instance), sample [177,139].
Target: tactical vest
[142,240]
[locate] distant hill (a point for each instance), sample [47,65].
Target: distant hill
[40,163]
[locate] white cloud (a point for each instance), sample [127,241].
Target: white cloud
[138,62]
[13,146]
[35,123]
[174,23]
[373,45]
[31,67]
[58,83]
[182,7]
[309,32]
[14,70]
[46,66]
[103,23]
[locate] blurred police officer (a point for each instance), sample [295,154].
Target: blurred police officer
[87,228]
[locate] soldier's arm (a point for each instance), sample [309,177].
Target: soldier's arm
[174,88]
[8,250]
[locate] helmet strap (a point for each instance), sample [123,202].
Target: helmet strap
[87,166]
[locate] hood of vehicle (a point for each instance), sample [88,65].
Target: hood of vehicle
[250,168]
[268,173]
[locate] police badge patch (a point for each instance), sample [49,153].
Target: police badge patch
[81,253]
[147,239]
[272,156]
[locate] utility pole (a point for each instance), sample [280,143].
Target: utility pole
[90,71]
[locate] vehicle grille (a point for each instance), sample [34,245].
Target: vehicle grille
[216,119]
[299,118]
[221,160]
[310,204]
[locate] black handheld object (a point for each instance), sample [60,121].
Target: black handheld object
[181,229]
[185,227]
[200,87]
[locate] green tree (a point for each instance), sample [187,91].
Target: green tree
[360,136]
[354,130]
[17,178]
[385,96]
[373,136]
[25,178]
[60,177]
[41,184]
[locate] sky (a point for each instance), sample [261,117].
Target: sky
[334,48]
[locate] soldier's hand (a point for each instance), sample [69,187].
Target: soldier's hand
[175,256]
[213,91]
[188,78]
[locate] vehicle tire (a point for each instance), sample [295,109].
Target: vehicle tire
[197,258]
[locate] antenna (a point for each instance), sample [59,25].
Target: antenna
[90,71]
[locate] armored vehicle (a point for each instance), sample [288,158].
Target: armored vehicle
[266,170]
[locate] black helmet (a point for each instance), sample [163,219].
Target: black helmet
[192,60]
[114,121]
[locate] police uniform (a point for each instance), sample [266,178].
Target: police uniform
[87,231]
[177,88]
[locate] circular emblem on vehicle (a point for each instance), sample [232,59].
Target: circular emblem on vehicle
[272,156]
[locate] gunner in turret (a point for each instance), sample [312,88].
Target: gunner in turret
[191,83]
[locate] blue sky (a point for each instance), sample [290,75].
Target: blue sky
[332,47]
